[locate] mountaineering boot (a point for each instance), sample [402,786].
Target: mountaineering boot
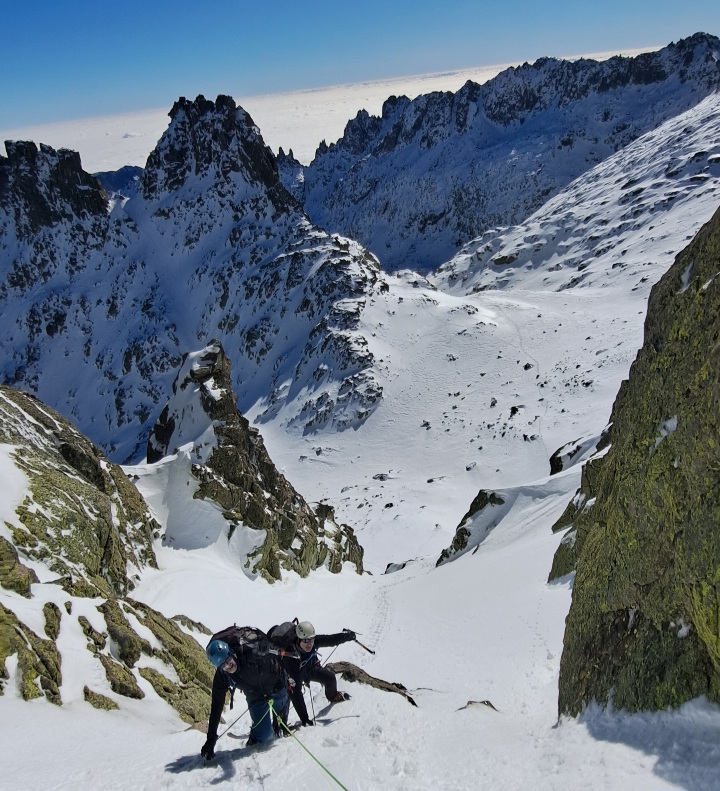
[340,697]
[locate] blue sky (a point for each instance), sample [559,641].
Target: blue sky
[62,60]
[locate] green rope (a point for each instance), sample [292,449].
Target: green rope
[292,733]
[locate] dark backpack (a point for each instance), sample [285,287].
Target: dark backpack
[283,635]
[257,657]
[246,640]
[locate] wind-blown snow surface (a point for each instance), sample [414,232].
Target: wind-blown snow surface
[484,627]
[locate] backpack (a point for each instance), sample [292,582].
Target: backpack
[257,657]
[283,635]
[246,640]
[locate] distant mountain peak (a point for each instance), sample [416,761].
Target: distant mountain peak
[43,187]
[210,140]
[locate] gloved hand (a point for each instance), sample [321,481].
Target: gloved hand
[349,635]
[208,749]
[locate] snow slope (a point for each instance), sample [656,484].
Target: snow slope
[486,626]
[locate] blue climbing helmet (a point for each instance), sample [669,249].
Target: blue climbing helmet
[217,652]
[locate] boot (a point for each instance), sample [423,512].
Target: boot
[339,697]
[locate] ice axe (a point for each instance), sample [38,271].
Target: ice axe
[369,650]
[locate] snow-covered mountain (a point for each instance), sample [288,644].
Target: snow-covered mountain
[417,183]
[526,336]
[98,306]
[596,231]
[480,386]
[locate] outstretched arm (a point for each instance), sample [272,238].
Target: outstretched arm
[219,690]
[325,640]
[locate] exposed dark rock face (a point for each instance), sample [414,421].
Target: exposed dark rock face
[643,626]
[122,183]
[431,174]
[211,139]
[232,466]
[481,510]
[45,187]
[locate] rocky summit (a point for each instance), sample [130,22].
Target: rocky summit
[430,174]
[98,308]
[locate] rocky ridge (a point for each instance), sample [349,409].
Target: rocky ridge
[201,428]
[430,174]
[590,233]
[69,557]
[212,246]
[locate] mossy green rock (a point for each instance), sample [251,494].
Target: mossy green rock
[644,624]
[14,575]
[53,616]
[121,680]
[99,701]
[191,701]
[179,650]
[82,517]
[96,640]
[38,660]
[129,644]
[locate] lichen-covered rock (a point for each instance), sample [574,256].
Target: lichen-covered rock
[85,521]
[179,650]
[96,640]
[99,701]
[52,620]
[38,660]
[191,701]
[644,625]
[121,680]
[129,644]
[234,471]
[81,517]
[14,575]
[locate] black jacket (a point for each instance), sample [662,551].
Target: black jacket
[299,667]
[257,677]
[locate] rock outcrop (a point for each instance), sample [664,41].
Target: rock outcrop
[644,530]
[81,533]
[81,516]
[228,459]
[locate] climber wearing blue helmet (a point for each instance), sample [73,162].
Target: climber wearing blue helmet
[244,660]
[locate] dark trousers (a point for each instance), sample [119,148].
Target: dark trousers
[323,676]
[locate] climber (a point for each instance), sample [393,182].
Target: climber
[243,661]
[303,664]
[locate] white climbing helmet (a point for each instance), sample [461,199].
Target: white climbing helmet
[305,630]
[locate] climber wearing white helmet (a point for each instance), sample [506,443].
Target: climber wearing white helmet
[304,666]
